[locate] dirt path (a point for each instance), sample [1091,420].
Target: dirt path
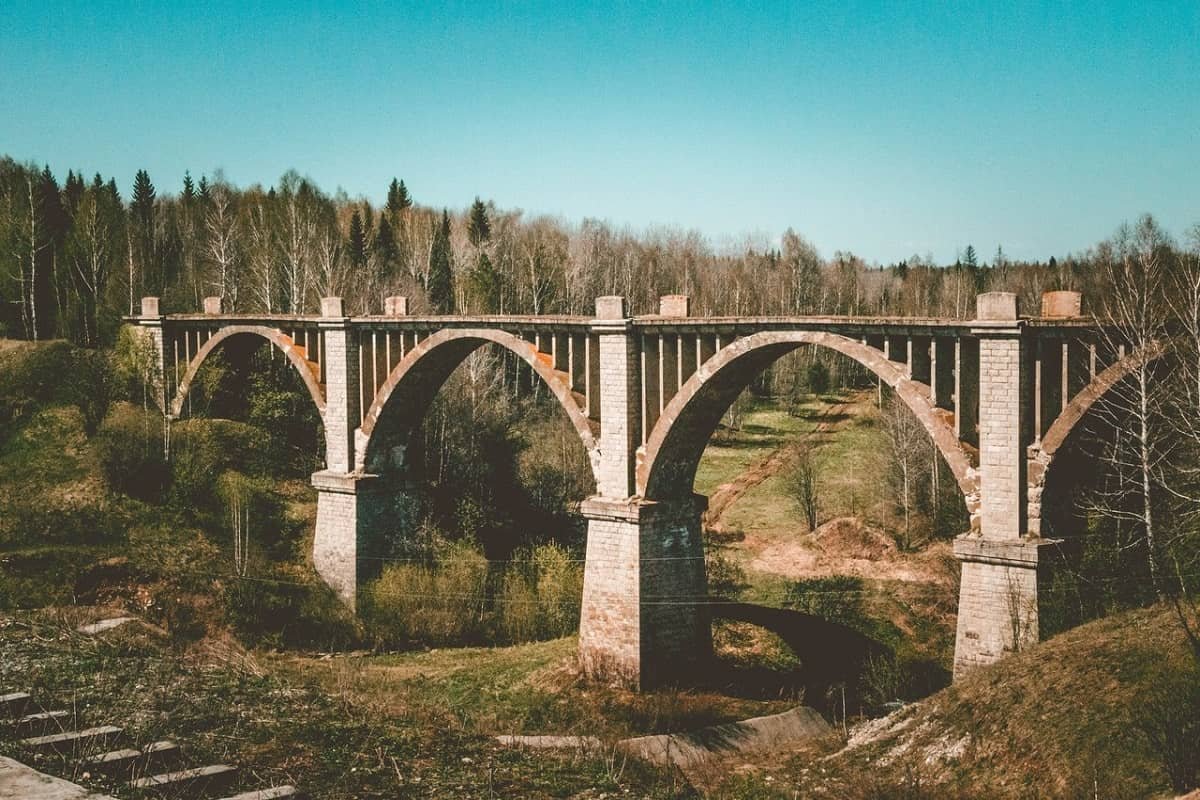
[773,463]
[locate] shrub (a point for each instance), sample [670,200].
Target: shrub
[540,595]
[437,604]
[288,608]
[1169,719]
[201,450]
[129,447]
[818,377]
[54,373]
[725,578]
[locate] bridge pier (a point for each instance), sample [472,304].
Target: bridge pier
[643,621]
[998,594]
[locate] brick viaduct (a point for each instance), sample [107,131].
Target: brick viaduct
[999,395]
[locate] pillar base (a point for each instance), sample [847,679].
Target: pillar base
[354,511]
[643,620]
[998,598]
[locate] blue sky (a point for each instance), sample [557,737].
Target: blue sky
[887,129]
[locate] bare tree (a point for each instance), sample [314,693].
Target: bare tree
[907,457]
[221,242]
[803,485]
[1135,314]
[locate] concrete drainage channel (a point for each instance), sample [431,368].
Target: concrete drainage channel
[96,752]
[691,752]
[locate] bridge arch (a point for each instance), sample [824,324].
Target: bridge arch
[1042,454]
[667,466]
[402,400]
[309,372]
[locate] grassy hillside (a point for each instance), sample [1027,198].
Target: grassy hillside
[1060,720]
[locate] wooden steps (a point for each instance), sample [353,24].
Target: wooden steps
[129,762]
[190,782]
[69,742]
[41,723]
[14,704]
[274,793]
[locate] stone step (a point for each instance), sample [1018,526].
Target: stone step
[190,782]
[42,722]
[104,625]
[14,704]
[86,740]
[128,762]
[112,762]
[274,793]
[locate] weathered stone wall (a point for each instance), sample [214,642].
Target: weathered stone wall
[1002,411]
[998,600]
[620,380]
[642,621]
[342,414]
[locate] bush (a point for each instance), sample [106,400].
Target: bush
[725,578]
[288,608]
[540,595]
[129,447]
[202,450]
[817,377]
[436,604]
[1169,719]
[50,374]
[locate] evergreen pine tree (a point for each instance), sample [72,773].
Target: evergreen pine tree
[398,198]
[203,188]
[358,242]
[189,188]
[385,246]
[439,283]
[479,228]
[141,209]
[969,257]
[485,286]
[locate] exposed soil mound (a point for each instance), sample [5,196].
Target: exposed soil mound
[850,537]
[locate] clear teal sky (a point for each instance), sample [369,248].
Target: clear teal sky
[883,128]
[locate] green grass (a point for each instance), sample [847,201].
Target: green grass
[765,426]
[529,689]
[1059,720]
[289,726]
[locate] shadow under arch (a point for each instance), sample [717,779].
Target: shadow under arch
[296,355]
[405,397]
[672,452]
[830,653]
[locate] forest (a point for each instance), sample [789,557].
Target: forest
[76,256]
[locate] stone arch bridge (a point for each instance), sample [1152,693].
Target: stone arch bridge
[998,394]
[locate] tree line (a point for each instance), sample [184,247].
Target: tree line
[77,255]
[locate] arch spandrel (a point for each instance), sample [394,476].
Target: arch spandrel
[667,463]
[414,382]
[296,355]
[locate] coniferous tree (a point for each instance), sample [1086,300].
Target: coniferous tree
[203,194]
[385,247]
[358,242]
[189,188]
[479,228]
[398,198]
[439,284]
[141,210]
